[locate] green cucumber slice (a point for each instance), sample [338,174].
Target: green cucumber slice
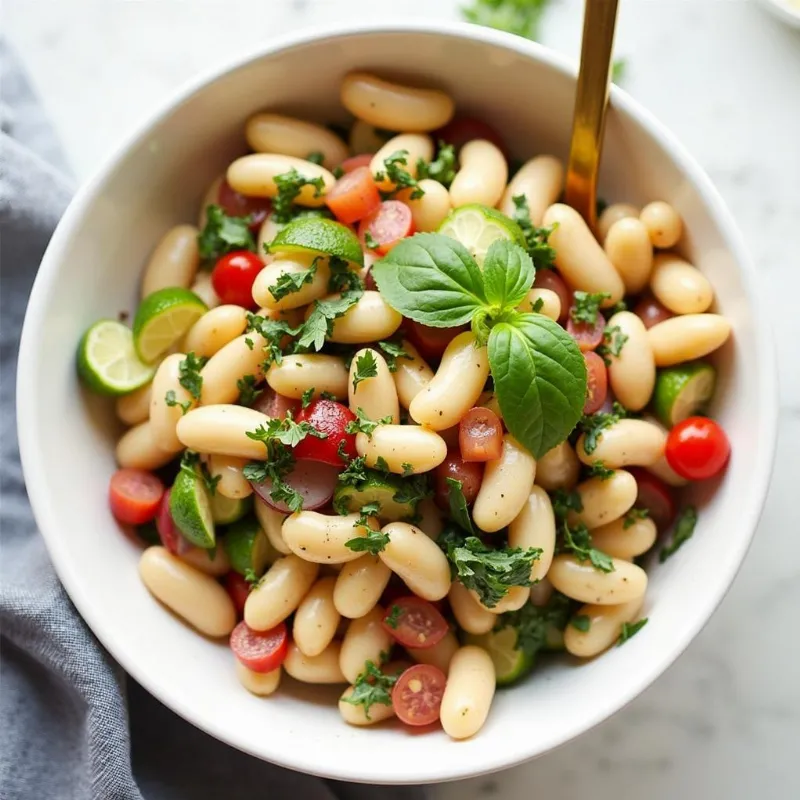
[190,506]
[226,510]
[510,664]
[682,391]
[247,547]
[377,488]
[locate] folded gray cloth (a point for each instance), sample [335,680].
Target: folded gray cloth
[73,725]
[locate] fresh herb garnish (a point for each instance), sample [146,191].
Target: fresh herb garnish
[533,623]
[577,541]
[171,399]
[354,473]
[392,351]
[408,469]
[290,184]
[630,629]
[396,171]
[683,531]
[307,397]
[392,619]
[372,687]
[315,157]
[319,325]
[192,465]
[443,166]
[600,470]
[372,543]
[459,512]
[536,238]
[343,279]
[564,502]
[367,510]
[366,367]
[593,426]
[613,341]
[292,282]
[363,424]
[247,390]
[273,331]
[581,622]
[189,374]
[586,305]
[252,578]
[223,234]
[381,464]
[370,241]
[633,515]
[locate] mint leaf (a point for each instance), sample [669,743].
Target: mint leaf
[432,279]
[507,274]
[540,380]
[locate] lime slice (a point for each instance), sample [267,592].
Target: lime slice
[248,548]
[162,319]
[477,226]
[377,488]
[226,510]
[682,391]
[190,507]
[510,664]
[320,236]
[107,360]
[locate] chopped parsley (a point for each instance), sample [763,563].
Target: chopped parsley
[252,578]
[408,469]
[366,367]
[373,542]
[223,234]
[459,511]
[536,239]
[392,619]
[533,623]
[443,166]
[577,541]
[630,629]
[564,502]
[537,306]
[192,465]
[600,470]
[292,282]
[307,397]
[412,489]
[363,424]
[290,184]
[367,510]
[343,279]
[586,305]
[189,374]
[633,515]
[370,241]
[593,426]
[273,331]
[247,390]
[396,171]
[392,351]
[171,399]
[355,472]
[319,325]
[581,622]
[372,687]
[683,531]
[316,157]
[381,464]
[613,341]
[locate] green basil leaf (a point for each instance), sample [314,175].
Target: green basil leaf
[432,279]
[507,274]
[540,379]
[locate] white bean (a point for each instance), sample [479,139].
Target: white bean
[679,286]
[212,562]
[687,337]
[192,595]
[535,526]
[276,133]
[604,500]
[455,387]
[369,320]
[279,592]
[430,210]
[134,408]
[663,223]
[222,430]
[605,626]
[469,613]
[204,289]
[322,538]
[139,448]
[540,181]
[625,539]
[228,469]
[581,581]
[221,375]
[323,668]
[292,264]
[558,468]
[612,214]
[316,618]
[262,684]
[627,443]
[628,247]
[366,640]
[215,329]
[174,262]
[406,449]
[295,374]
[210,198]
[412,376]
[254,175]
[506,485]
[632,373]
[550,305]
[417,560]
[271,522]
[376,396]
[440,655]
[514,599]
[469,692]
[357,714]
[482,177]
[416,145]
[662,469]
[359,586]
[364,139]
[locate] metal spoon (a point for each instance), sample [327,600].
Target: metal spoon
[591,101]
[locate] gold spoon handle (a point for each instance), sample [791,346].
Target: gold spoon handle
[591,99]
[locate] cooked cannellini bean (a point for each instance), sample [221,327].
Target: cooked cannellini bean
[221,375]
[679,286]
[276,133]
[663,223]
[535,526]
[296,374]
[469,613]
[482,176]
[369,320]
[628,247]
[395,107]
[580,580]
[359,586]
[412,375]
[254,175]
[417,147]
[627,443]
[579,258]
[624,538]
[604,500]
[417,560]
[408,449]
[191,594]
[228,471]
[612,214]
[322,538]
[262,684]
[605,626]
[662,469]
[204,289]
[687,337]
[269,229]
[174,262]
[212,562]
[455,387]
[469,692]
[222,430]
[550,303]
[134,408]
[294,264]
[632,373]
[514,599]
[440,655]
[366,639]
[323,668]
[540,181]
[357,714]
[279,592]
[558,468]
[376,396]
[210,198]
[428,211]
[139,448]
[506,485]
[271,522]
[364,138]
[215,329]
[316,618]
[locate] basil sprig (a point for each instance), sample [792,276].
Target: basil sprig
[539,373]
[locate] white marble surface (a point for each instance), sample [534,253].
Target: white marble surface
[724,722]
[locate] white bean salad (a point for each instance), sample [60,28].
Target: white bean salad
[398,419]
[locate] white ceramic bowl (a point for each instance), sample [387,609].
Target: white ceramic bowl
[157,179]
[787,11]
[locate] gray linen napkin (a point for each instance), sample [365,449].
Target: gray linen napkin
[73,726]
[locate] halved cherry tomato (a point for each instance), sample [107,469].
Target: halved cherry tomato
[697,448]
[431,342]
[654,495]
[651,312]
[168,531]
[260,651]
[596,383]
[354,162]
[233,277]
[239,205]
[417,695]
[330,418]
[586,334]
[386,226]
[470,473]
[314,481]
[480,435]
[461,130]
[238,589]
[272,404]
[354,196]
[550,279]
[134,496]
[415,622]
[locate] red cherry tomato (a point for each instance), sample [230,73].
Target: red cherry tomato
[461,130]
[239,205]
[238,589]
[550,279]
[354,196]
[331,418]
[586,334]
[386,225]
[480,435]
[272,404]
[414,622]
[470,473]
[314,481]
[651,312]
[233,277]
[597,383]
[697,448]
[417,695]
[431,342]
[354,162]
[134,496]
[654,495]
[260,651]
[168,531]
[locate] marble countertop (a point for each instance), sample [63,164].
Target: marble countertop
[724,721]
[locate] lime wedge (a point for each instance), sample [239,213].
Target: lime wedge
[163,318]
[682,391]
[247,547]
[477,226]
[318,235]
[190,507]
[226,510]
[107,360]
[510,664]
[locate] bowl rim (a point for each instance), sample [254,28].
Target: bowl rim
[32,339]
